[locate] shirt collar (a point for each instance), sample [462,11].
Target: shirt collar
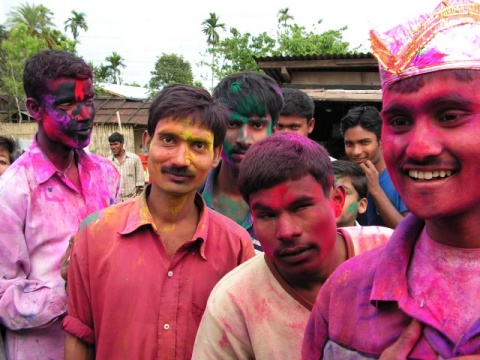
[390,279]
[44,169]
[140,215]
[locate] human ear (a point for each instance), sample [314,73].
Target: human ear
[34,109]
[311,125]
[338,199]
[217,152]
[362,205]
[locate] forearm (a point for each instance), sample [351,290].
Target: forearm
[389,214]
[76,349]
[29,304]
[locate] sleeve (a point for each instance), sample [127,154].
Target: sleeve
[79,319]
[24,303]
[222,333]
[139,173]
[247,251]
[316,332]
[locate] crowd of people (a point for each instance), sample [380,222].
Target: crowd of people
[234,235]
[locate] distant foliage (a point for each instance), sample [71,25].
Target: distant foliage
[170,69]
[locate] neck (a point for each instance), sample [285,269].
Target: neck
[170,209]
[227,180]
[120,154]
[460,231]
[380,165]
[59,154]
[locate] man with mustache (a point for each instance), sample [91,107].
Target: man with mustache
[44,195]
[254,102]
[141,271]
[422,287]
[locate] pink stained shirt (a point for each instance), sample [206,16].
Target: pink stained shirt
[128,298]
[39,211]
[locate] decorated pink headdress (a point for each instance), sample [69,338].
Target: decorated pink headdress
[449,38]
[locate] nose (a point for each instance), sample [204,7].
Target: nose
[357,149]
[83,113]
[423,141]
[244,137]
[288,228]
[182,156]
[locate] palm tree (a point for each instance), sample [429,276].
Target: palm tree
[116,61]
[37,18]
[284,16]
[76,22]
[210,27]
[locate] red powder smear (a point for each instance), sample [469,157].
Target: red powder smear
[223,341]
[79,95]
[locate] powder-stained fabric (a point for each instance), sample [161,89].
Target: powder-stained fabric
[39,211]
[128,298]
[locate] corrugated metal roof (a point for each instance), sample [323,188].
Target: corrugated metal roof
[315,57]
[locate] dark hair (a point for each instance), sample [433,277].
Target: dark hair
[368,117]
[10,144]
[116,137]
[180,101]
[414,83]
[48,65]
[282,157]
[296,102]
[359,178]
[249,93]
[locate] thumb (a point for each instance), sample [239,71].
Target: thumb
[400,349]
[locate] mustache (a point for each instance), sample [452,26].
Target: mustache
[240,149]
[177,171]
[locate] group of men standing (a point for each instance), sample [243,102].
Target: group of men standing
[146,276]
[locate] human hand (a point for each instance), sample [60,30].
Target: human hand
[372,175]
[65,260]
[400,349]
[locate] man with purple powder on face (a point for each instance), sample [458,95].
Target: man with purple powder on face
[44,196]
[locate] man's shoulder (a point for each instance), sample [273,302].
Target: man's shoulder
[222,223]
[241,280]
[102,219]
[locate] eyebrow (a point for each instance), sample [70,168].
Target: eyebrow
[190,138]
[259,206]
[444,100]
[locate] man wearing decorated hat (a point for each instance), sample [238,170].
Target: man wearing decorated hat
[423,286]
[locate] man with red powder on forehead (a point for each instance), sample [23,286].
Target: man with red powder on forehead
[429,270]
[44,195]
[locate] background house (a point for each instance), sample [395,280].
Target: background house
[336,83]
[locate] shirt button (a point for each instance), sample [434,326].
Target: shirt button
[166,326]
[170,273]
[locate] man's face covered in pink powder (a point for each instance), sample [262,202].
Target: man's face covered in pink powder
[430,144]
[68,111]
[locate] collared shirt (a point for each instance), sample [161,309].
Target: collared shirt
[40,210]
[366,305]
[133,302]
[268,321]
[132,173]
[207,192]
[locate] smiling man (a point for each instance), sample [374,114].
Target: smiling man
[44,195]
[260,309]
[429,270]
[361,129]
[141,271]
[254,102]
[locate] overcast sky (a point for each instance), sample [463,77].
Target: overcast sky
[141,30]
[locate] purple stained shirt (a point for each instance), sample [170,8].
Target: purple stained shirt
[39,211]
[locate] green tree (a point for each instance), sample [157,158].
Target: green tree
[284,16]
[170,69]
[115,63]
[15,49]
[75,23]
[38,21]
[210,27]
